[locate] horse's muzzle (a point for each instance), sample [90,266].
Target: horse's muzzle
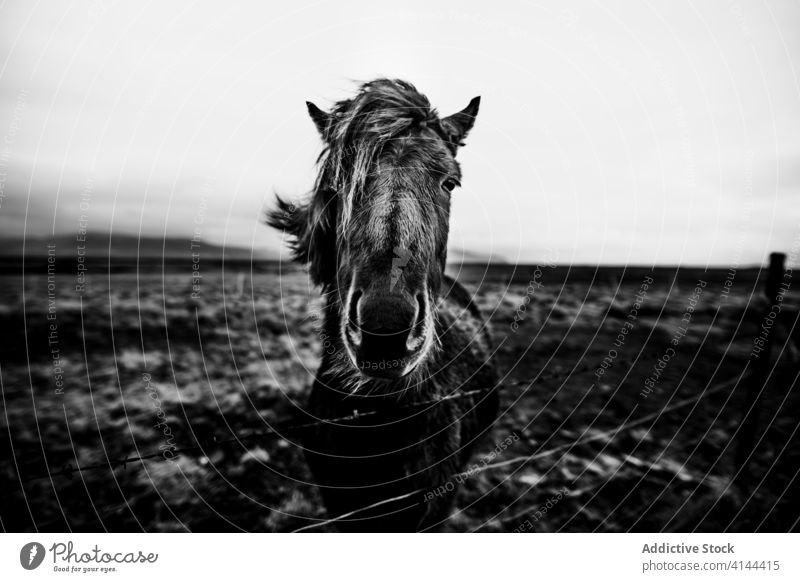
[385,331]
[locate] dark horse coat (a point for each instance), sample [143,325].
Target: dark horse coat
[374,235]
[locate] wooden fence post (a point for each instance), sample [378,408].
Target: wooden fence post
[759,372]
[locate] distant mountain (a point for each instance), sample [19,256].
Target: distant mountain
[465,256]
[127,247]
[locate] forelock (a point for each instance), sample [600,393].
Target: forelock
[382,111]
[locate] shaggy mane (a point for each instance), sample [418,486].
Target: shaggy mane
[359,128]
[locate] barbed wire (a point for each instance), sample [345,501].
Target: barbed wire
[281,427]
[528,458]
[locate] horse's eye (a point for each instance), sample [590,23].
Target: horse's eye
[450,184]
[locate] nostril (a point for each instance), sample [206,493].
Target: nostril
[420,319]
[353,327]
[420,311]
[416,337]
[352,315]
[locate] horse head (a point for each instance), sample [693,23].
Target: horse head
[375,230]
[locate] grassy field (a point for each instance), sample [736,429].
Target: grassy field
[137,363]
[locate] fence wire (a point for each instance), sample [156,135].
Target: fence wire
[278,429]
[282,427]
[528,458]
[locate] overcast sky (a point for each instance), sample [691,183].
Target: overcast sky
[632,132]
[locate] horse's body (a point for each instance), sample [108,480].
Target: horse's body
[401,335]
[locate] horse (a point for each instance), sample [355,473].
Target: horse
[407,354]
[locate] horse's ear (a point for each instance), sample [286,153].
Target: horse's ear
[319,117]
[457,126]
[311,231]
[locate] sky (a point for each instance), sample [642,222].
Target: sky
[633,132]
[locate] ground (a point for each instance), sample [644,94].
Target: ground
[137,365]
